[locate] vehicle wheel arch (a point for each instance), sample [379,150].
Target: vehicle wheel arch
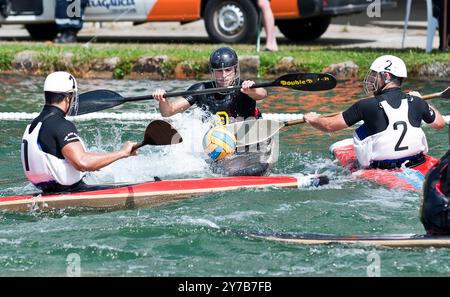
[204,2]
[246,34]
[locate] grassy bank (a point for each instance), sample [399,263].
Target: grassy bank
[306,58]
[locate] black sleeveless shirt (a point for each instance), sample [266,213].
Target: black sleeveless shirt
[55,132]
[236,104]
[375,119]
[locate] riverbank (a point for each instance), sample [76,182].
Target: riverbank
[190,61]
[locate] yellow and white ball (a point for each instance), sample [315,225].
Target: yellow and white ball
[218,143]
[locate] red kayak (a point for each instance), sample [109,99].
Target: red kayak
[153,193]
[410,179]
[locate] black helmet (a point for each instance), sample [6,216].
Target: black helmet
[434,213]
[223,58]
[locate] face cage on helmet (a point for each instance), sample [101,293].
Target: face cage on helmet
[235,80]
[74,103]
[370,83]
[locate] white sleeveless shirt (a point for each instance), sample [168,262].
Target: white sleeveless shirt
[41,167]
[399,140]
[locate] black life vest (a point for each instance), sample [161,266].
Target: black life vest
[435,204]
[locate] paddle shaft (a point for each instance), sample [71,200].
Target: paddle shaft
[432,96]
[297,81]
[424,97]
[199,92]
[302,120]
[94,101]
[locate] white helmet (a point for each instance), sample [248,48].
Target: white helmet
[63,82]
[391,64]
[60,82]
[381,65]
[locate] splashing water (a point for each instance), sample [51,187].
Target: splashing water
[163,161]
[186,238]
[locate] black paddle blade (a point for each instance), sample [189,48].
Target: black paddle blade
[306,81]
[160,132]
[97,100]
[446,94]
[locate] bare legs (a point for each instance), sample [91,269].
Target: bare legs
[269,25]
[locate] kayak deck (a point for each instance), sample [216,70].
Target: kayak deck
[389,240]
[247,164]
[153,193]
[410,179]
[256,163]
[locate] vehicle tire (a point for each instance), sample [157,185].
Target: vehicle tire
[231,21]
[307,29]
[42,31]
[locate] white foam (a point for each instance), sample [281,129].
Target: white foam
[199,222]
[241,215]
[184,159]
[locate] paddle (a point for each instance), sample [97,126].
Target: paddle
[159,132]
[254,131]
[103,99]
[445,94]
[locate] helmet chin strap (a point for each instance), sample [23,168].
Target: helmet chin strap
[71,104]
[383,76]
[384,80]
[69,109]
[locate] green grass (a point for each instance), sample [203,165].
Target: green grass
[307,58]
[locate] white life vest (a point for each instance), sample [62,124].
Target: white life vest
[41,167]
[399,140]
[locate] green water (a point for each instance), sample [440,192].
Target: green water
[187,238]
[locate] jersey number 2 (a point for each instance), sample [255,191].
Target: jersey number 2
[405,128]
